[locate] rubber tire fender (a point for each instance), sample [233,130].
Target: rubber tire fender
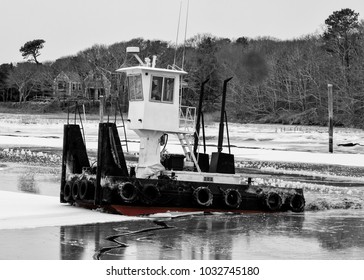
[203,196]
[232,198]
[273,201]
[150,193]
[127,192]
[67,191]
[297,202]
[86,189]
[75,189]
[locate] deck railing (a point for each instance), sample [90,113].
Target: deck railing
[187,118]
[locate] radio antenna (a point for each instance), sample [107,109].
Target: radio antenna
[179,20]
[184,43]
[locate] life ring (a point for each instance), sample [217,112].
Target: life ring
[297,202]
[232,198]
[75,189]
[67,191]
[86,189]
[127,192]
[203,196]
[273,201]
[150,193]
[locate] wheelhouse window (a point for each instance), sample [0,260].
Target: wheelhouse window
[168,90]
[157,86]
[135,87]
[162,89]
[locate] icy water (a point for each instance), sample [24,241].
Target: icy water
[332,227]
[332,234]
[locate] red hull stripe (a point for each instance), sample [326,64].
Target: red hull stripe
[141,210]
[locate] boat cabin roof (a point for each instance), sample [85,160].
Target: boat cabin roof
[146,68]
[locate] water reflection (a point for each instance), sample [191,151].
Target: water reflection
[26,183]
[340,232]
[81,242]
[253,236]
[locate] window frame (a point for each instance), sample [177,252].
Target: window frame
[61,85]
[134,76]
[151,89]
[162,100]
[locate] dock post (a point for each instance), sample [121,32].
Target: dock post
[331,114]
[102,105]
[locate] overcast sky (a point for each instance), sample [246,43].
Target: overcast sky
[69,26]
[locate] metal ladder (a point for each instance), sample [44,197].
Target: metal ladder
[187,149]
[77,110]
[118,108]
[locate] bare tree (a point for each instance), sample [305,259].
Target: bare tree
[22,78]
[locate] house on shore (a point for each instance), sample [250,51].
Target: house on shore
[70,84]
[67,84]
[96,85]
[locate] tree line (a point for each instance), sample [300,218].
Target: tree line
[273,80]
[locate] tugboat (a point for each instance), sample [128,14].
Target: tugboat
[162,182]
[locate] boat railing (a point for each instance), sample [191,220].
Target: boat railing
[187,118]
[174,67]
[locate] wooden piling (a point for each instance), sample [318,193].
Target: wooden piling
[331,115]
[102,104]
[84,112]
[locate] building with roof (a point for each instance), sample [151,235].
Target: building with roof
[67,84]
[96,85]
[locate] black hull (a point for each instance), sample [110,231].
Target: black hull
[149,196]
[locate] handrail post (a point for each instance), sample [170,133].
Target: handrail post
[199,112]
[222,116]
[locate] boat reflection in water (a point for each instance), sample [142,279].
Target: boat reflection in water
[333,234]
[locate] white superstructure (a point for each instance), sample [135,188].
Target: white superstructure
[155,109]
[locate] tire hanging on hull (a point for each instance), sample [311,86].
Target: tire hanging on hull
[232,198]
[127,192]
[86,189]
[203,196]
[150,193]
[296,202]
[75,190]
[67,192]
[272,200]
